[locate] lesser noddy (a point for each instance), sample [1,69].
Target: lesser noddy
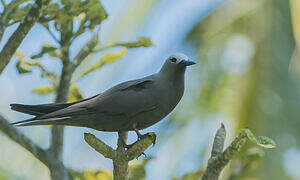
[132,105]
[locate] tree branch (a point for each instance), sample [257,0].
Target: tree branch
[100,146]
[58,171]
[120,156]
[4,18]
[120,171]
[24,141]
[139,147]
[17,37]
[220,159]
[4,4]
[85,51]
[219,141]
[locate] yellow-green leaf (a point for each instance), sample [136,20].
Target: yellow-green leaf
[107,59]
[23,67]
[75,94]
[250,135]
[265,142]
[97,175]
[142,42]
[137,170]
[47,48]
[261,141]
[43,90]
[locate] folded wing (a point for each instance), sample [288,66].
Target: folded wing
[116,105]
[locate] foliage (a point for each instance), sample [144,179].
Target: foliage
[247,163]
[65,21]
[106,59]
[46,49]
[75,94]
[261,141]
[64,15]
[100,174]
[137,170]
[191,175]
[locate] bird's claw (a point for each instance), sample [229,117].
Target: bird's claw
[125,146]
[151,134]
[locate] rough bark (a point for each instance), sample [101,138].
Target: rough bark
[120,164]
[121,156]
[15,135]
[58,171]
[219,158]
[18,36]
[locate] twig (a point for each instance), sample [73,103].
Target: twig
[3,3]
[4,18]
[220,159]
[100,146]
[17,37]
[106,47]
[53,36]
[24,141]
[86,50]
[120,156]
[219,141]
[139,147]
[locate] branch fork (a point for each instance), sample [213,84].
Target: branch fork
[219,158]
[134,150]
[121,156]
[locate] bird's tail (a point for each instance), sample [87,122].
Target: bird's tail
[36,121]
[39,110]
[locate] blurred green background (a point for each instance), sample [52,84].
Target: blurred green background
[248,75]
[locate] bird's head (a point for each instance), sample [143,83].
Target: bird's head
[176,64]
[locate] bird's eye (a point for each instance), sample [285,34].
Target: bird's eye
[173,60]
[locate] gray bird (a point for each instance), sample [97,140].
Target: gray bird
[132,105]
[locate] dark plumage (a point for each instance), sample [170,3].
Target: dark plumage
[132,105]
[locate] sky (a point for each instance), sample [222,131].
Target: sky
[167,23]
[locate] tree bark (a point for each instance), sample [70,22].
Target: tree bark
[120,156]
[18,36]
[120,165]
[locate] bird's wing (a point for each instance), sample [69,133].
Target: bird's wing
[42,109]
[128,99]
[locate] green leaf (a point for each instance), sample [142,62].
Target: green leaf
[23,67]
[43,90]
[250,135]
[46,49]
[265,142]
[142,42]
[89,174]
[137,170]
[261,141]
[75,94]
[107,59]
[20,13]
[89,12]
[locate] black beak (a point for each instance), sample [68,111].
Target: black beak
[187,63]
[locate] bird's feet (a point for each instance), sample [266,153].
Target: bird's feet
[140,137]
